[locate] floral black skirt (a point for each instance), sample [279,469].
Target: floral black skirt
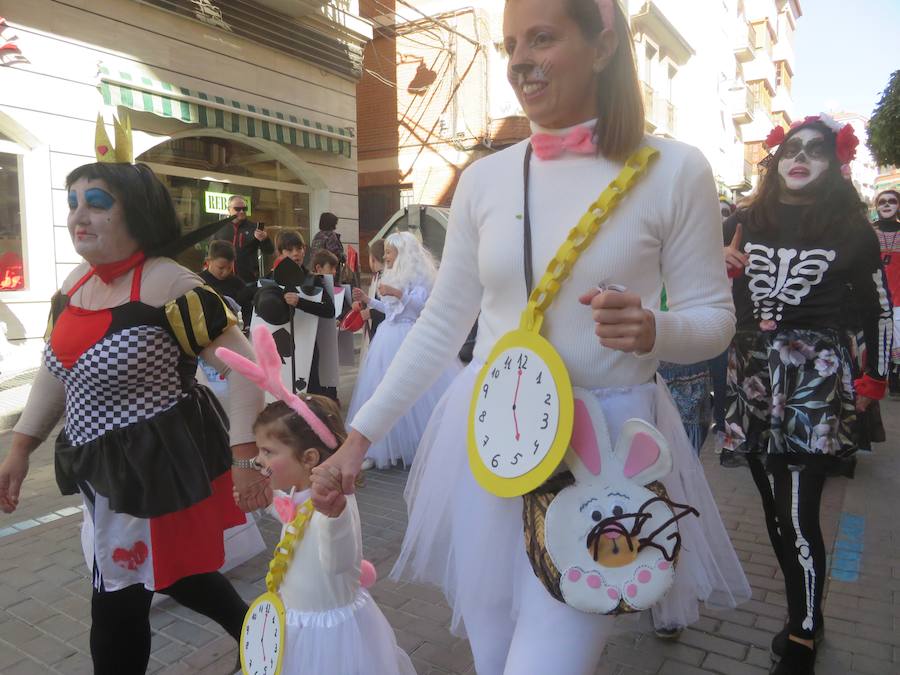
[790,392]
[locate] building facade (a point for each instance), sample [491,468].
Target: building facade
[249,97]
[714,73]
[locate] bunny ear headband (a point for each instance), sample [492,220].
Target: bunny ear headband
[266,374]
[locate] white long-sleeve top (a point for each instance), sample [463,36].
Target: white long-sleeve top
[405,308]
[324,572]
[667,228]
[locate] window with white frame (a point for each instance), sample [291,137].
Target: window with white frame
[12,264]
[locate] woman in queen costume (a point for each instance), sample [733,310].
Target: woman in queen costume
[146,447]
[572,68]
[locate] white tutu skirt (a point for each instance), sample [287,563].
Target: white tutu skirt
[399,446]
[471,543]
[352,640]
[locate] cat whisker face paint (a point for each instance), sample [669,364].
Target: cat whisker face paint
[551,63]
[96,223]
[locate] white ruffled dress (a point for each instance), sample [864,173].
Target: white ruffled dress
[333,624]
[399,445]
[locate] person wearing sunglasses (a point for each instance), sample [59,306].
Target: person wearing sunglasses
[887,227]
[249,239]
[802,254]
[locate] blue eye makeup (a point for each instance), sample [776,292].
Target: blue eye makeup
[73,200]
[97,198]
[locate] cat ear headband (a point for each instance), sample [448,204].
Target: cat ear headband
[266,374]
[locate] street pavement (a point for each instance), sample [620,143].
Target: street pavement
[45,586]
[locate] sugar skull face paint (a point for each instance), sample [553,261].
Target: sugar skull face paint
[96,223]
[887,204]
[803,160]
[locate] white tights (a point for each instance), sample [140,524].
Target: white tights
[547,636]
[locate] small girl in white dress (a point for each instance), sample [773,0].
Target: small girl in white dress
[405,286]
[332,624]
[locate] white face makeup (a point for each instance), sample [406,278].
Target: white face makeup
[804,159]
[887,205]
[96,223]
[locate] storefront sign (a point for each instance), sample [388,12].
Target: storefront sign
[217,202]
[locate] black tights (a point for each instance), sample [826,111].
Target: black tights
[120,628]
[791,504]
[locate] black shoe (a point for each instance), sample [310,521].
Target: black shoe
[797,660]
[779,642]
[669,633]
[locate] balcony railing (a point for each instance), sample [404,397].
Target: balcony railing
[742,103]
[647,92]
[670,117]
[743,49]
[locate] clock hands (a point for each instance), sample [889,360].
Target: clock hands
[515,399]
[262,639]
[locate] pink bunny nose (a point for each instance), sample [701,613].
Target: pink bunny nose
[612,534]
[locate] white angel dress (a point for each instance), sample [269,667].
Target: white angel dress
[332,623]
[400,314]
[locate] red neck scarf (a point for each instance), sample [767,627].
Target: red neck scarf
[109,272]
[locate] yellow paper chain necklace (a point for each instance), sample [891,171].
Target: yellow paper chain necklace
[284,550]
[580,237]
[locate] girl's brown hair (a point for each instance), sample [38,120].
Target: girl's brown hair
[376,250]
[836,208]
[620,106]
[286,426]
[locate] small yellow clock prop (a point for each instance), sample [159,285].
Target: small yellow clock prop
[263,631]
[522,409]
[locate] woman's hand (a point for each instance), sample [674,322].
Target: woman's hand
[622,322]
[359,296]
[252,490]
[12,474]
[14,469]
[863,403]
[336,476]
[735,259]
[292,299]
[384,289]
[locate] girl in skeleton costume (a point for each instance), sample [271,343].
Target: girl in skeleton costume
[147,448]
[806,253]
[572,68]
[887,227]
[405,285]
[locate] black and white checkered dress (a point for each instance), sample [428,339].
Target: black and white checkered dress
[144,444]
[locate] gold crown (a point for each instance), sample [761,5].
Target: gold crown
[123,150]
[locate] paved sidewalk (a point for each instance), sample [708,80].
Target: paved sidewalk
[45,588]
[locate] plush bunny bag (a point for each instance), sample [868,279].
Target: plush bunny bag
[607,543]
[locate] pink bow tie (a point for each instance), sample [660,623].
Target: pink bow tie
[579,140]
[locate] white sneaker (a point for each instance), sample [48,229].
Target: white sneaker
[368,463]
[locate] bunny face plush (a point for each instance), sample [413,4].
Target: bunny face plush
[612,539]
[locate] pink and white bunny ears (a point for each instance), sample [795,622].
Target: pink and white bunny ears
[266,374]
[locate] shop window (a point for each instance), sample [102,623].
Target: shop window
[12,273]
[203,172]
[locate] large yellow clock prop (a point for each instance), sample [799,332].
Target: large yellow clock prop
[522,410]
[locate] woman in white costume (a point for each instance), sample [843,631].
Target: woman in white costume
[572,68]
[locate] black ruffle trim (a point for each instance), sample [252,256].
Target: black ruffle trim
[154,467]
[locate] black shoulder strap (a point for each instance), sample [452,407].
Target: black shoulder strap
[526,217]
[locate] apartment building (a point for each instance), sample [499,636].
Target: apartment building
[433,98]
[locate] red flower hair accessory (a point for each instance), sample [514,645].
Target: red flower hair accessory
[845,144]
[775,137]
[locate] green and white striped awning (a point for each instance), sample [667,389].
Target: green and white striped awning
[144,94]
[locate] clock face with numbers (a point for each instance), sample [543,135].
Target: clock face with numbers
[520,419]
[262,636]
